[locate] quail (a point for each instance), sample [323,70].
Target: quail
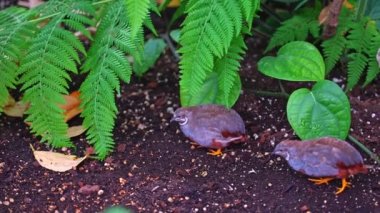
[212,126]
[325,158]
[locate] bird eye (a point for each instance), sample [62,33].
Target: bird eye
[183,121]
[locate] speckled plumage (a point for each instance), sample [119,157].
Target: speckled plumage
[211,126]
[324,157]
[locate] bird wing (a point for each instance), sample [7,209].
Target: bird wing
[319,160]
[220,122]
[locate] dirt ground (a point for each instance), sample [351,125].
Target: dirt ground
[155,169]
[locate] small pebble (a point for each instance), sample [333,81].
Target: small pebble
[100,192]
[6,203]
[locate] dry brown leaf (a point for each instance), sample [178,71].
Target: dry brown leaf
[57,161]
[173,3]
[15,109]
[72,113]
[75,131]
[324,14]
[71,101]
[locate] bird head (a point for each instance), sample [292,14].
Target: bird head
[181,116]
[285,149]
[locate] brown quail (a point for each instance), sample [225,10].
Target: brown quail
[212,126]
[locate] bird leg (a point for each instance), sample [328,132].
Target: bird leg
[320,181]
[345,184]
[217,152]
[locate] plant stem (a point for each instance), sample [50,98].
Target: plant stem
[282,88]
[270,93]
[171,46]
[271,13]
[362,5]
[365,149]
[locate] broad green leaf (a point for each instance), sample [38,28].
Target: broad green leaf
[174,34]
[295,61]
[207,93]
[323,111]
[152,51]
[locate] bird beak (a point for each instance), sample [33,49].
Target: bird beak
[173,119]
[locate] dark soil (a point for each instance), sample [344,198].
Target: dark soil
[154,168]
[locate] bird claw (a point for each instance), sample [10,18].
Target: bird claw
[217,152]
[345,184]
[320,181]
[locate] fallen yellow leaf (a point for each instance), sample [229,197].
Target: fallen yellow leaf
[15,109]
[72,113]
[71,101]
[325,12]
[75,131]
[173,3]
[57,161]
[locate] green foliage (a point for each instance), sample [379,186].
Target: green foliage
[209,29]
[44,69]
[15,36]
[152,51]
[296,61]
[356,39]
[137,12]
[323,111]
[228,77]
[296,28]
[106,64]
[361,40]
[43,58]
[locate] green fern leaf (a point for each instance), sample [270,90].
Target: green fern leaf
[296,28]
[229,84]
[249,8]
[359,42]
[137,12]
[333,49]
[43,71]
[372,51]
[14,38]
[356,66]
[207,33]
[106,64]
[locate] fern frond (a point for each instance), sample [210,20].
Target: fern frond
[359,41]
[333,49]
[296,28]
[137,12]
[14,39]
[372,50]
[107,63]
[44,69]
[249,8]
[207,33]
[227,69]
[356,66]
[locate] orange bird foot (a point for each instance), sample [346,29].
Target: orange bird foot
[217,152]
[345,184]
[320,181]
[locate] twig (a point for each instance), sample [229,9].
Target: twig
[171,46]
[365,149]
[282,88]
